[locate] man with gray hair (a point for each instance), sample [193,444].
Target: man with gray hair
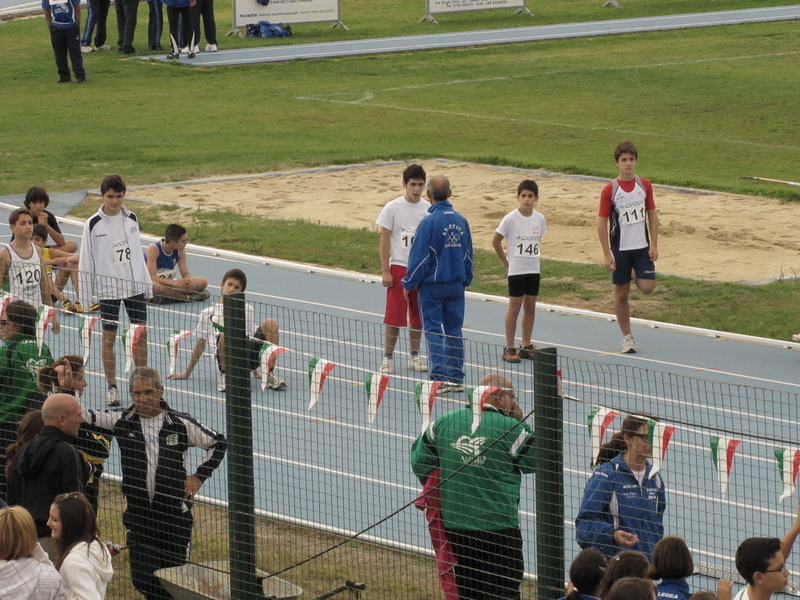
[440,265]
[154,440]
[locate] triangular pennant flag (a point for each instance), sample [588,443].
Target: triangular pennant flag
[599,420]
[722,451]
[85,330]
[788,463]
[130,339]
[560,383]
[268,353]
[426,395]
[660,434]
[318,369]
[4,300]
[376,386]
[44,319]
[173,345]
[477,399]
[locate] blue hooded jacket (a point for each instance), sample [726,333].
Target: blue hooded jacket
[673,589]
[442,249]
[612,500]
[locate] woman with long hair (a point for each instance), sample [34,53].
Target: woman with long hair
[25,571]
[83,559]
[28,429]
[623,506]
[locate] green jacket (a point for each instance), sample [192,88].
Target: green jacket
[20,361]
[484,495]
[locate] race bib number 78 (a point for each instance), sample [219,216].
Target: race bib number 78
[121,252]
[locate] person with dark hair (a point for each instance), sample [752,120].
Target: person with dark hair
[113,268]
[166,260]
[205,9]
[398,221]
[20,360]
[672,564]
[632,588]
[36,201]
[52,257]
[627,563]
[762,563]
[440,265]
[481,474]
[623,506]
[586,575]
[28,429]
[179,14]
[83,559]
[63,19]
[154,442]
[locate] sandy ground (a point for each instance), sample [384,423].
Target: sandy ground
[716,236]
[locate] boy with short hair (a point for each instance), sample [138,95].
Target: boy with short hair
[211,328]
[162,259]
[56,258]
[37,201]
[21,260]
[628,217]
[762,563]
[522,229]
[398,221]
[112,267]
[63,18]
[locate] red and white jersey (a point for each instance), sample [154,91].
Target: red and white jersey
[626,203]
[402,217]
[523,237]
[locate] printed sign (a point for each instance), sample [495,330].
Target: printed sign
[285,11]
[450,6]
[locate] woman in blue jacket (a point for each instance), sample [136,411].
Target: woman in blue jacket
[672,564]
[623,507]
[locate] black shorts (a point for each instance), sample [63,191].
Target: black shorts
[638,260]
[523,285]
[135,306]
[253,350]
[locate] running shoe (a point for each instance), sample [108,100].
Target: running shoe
[87,49]
[112,396]
[628,345]
[94,306]
[387,366]
[526,352]
[275,381]
[104,47]
[510,355]
[449,387]
[68,306]
[417,363]
[201,296]
[796,337]
[221,382]
[211,47]
[78,308]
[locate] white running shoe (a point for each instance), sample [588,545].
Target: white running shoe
[112,397]
[796,337]
[211,47]
[451,387]
[104,47]
[85,49]
[221,382]
[417,363]
[628,345]
[275,381]
[387,366]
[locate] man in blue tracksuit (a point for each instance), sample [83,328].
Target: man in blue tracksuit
[440,264]
[617,499]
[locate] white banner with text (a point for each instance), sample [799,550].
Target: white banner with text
[285,11]
[451,6]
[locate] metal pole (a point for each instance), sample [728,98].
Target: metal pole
[548,411]
[241,491]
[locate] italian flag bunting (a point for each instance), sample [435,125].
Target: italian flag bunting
[722,451]
[426,395]
[660,435]
[318,369]
[477,399]
[173,345]
[131,339]
[267,355]
[85,331]
[44,321]
[376,386]
[4,300]
[788,463]
[599,420]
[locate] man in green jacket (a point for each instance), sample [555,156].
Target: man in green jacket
[480,476]
[20,361]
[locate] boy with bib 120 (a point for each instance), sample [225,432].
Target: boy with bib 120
[628,232]
[522,229]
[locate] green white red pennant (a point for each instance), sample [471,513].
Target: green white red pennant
[426,396]
[85,331]
[477,400]
[788,464]
[318,369]
[44,321]
[131,338]
[660,434]
[173,345]
[722,452]
[599,420]
[376,386]
[4,300]
[268,353]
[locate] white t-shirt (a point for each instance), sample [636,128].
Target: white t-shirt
[212,322]
[402,217]
[120,248]
[151,428]
[523,237]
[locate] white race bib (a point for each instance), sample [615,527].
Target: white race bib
[632,212]
[121,252]
[527,248]
[407,236]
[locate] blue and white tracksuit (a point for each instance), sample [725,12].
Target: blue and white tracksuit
[440,264]
[612,500]
[673,589]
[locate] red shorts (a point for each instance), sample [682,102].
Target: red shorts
[396,306]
